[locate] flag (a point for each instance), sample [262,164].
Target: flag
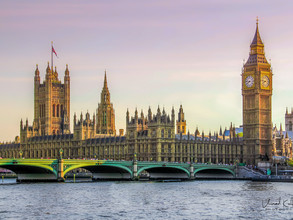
[53,51]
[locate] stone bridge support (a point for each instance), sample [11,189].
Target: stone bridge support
[135,177]
[60,176]
[191,170]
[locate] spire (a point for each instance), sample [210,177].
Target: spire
[48,70]
[257,55]
[136,114]
[257,40]
[37,72]
[74,118]
[66,70]
[181,114]
[149,114]
[158,110]
[197,131]
[127,117]
[105,80]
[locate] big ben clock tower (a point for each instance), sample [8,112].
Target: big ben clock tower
[257,104]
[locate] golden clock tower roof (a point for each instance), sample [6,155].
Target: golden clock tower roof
[257,54]
[256,40]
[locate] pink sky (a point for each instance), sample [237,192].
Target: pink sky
[163,53]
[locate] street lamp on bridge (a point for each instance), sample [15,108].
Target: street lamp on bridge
[61,152]
[20,154]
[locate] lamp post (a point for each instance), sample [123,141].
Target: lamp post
[20,154]
[61,152]
[134,159]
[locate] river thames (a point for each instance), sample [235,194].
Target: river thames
[147,200]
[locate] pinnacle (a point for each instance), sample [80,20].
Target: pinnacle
[257,40]
[105,80]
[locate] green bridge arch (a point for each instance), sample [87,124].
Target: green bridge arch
[214,168]
[160,166]
[95,165]
[17,168]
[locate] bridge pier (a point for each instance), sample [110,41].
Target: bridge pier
[134,171]
[60,176]
[191,170]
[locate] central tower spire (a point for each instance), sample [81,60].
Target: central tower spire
[105,112]
[256,40]
[105,81]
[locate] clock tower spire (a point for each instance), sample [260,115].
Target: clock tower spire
[257,104]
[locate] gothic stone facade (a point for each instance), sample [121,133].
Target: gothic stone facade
[150,138]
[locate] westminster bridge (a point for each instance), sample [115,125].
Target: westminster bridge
[56,169]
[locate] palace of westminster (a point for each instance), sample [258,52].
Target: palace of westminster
[157,136]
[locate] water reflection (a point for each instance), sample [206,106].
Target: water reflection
[143,200]
[258,186]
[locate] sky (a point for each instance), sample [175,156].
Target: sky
[156,53]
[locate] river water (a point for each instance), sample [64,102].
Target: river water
[147,200]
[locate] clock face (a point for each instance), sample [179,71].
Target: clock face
[249,81]
[265,81]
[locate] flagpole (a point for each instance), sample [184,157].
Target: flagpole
[52,56]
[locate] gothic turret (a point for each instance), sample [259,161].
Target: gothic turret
[127,117]
[149,114]
[105,112]
[181,122]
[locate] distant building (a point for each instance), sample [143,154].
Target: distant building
[289,120]
[282,142]
[181,122]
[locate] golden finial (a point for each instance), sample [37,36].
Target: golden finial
[37,65]
[257,20]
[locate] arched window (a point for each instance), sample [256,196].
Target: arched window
[169,133]
[162,133]
[54,110]
[105,118]
[62,111]
[290,125]
[58,111]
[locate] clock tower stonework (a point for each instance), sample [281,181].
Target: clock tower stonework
[257,104]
